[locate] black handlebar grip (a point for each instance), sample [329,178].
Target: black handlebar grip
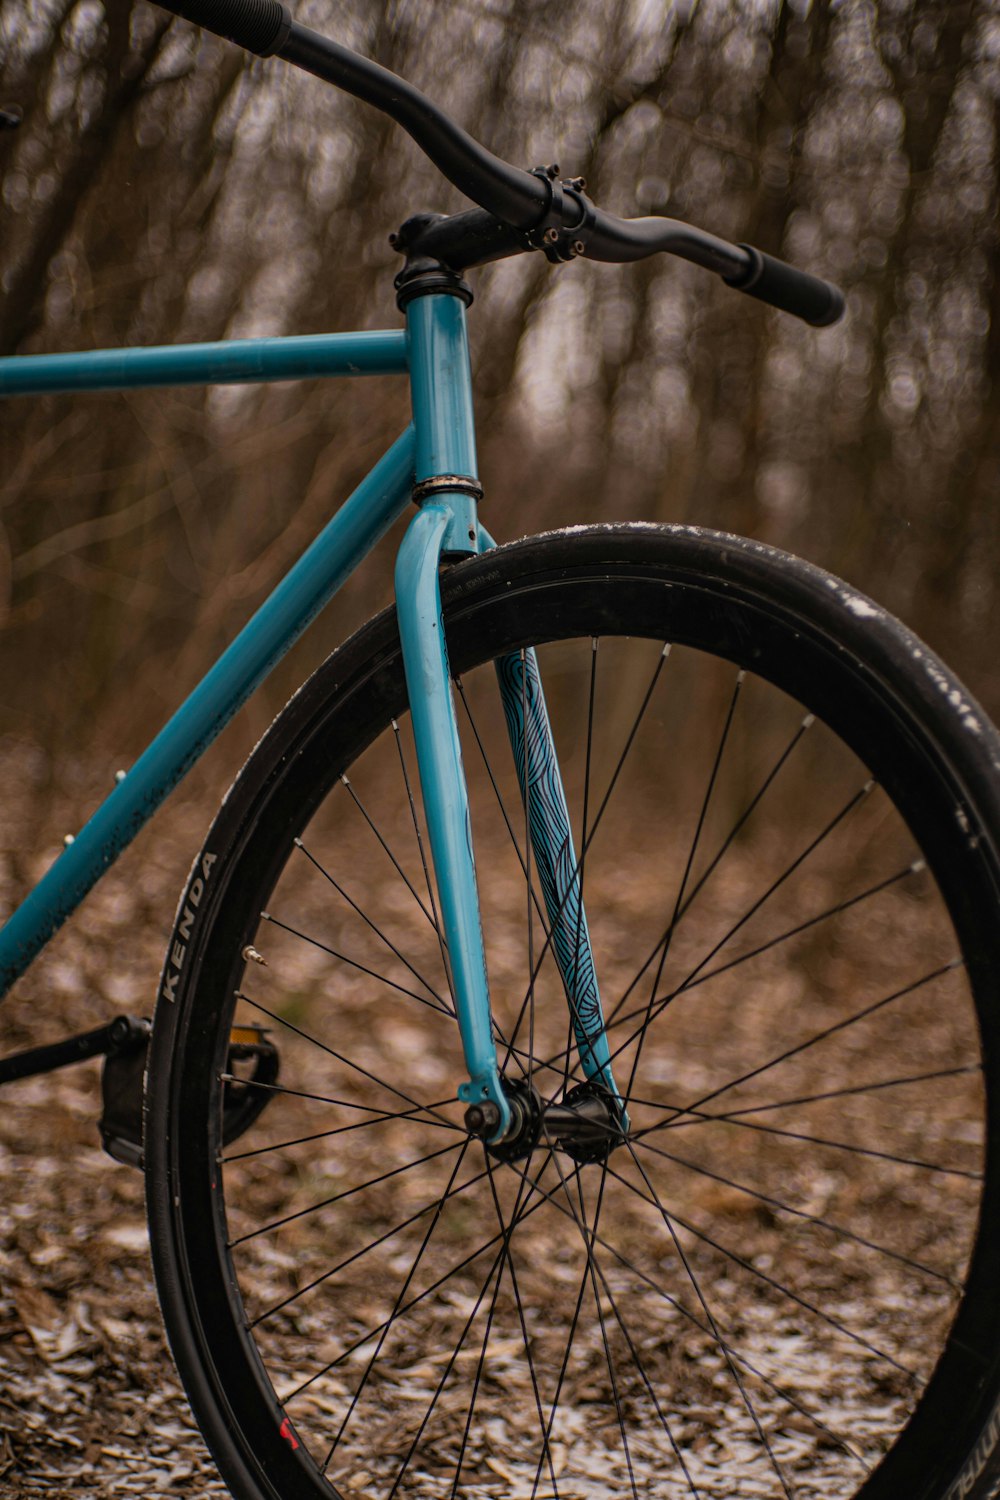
[261,26]
[807,297]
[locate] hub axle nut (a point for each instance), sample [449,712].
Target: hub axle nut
[482,1119]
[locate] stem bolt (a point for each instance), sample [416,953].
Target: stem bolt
[481,1120]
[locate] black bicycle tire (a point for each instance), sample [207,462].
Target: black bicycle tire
[870,656]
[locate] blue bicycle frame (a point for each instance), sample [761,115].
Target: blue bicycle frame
[434,462]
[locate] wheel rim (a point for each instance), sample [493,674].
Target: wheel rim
[724,1277]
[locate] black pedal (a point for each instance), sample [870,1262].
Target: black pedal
[251,1065]
[121,1090]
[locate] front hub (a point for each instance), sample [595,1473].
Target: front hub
[521,1137]
[586,1123]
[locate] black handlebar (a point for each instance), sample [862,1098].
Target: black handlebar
[260,26]
[266,28]
[512,194]
[774,281]
[527,202]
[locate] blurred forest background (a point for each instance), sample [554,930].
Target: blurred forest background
[163,187]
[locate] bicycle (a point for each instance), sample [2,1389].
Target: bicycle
[528,1288]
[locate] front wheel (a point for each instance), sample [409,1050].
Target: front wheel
[782,1281]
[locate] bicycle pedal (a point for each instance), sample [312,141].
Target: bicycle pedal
[120,1124]
[245,1097]
[247,1094]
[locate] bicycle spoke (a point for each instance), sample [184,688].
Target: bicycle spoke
[914,868]
[280,1088]
[616,1395]
[442,945]
[675,1110]
[692,852]
[598,817]
[740,823]
[806,724]
[802,1302]
[699,1293]
[507,1231]
[664,1423]
[696,1322]
[840,1230]
[322,1135]
[778,1286]
[615,1019]
[497,1267]
[588,1240]
[849,806]
[834,1029]
[500,802]
[706,801]
[372,1244]
[818,1140]
[689,982]
[407,1166]
[442,1004]
[371,1332]
[852,1089]
[502,1258]
[346,782]
[570,1336]
[595,1268]
[428,1235]
[444,1008]
[480,1364]
[332,1052]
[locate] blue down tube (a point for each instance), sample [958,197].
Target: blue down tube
[279,622]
